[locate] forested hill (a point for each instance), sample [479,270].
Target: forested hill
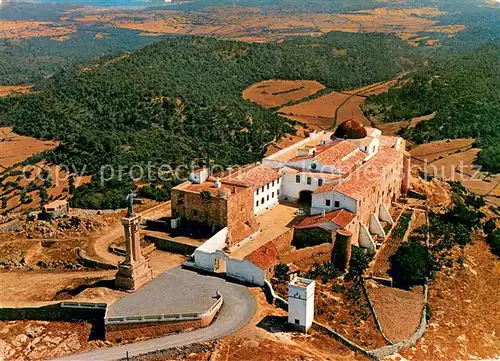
[463,89]
[180,99]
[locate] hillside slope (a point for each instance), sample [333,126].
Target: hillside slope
[179,100]
[463,89]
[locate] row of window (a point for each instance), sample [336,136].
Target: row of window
[308,180]
[263,199]
[329,202]
[268,185]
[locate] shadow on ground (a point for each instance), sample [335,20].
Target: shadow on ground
[274,324]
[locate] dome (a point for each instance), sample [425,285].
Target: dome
[350,129]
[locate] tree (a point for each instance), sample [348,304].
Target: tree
[411,265]
[358,263]
[44,197]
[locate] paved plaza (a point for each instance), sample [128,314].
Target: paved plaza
[175,291]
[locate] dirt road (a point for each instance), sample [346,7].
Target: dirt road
[102,242]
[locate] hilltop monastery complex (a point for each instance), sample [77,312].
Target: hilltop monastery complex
[343,182]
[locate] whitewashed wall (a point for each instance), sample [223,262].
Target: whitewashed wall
[267,196]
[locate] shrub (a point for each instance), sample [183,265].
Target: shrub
[281,272]
[411,265]
[493,240]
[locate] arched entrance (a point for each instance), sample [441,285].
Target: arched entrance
[305,198]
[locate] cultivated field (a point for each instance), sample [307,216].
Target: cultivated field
[454,160]
[351,109]
[5,90]
[322,107]
[274,93]
[15,148]
[240,23]
[373,89]
[23,29]
[429,152]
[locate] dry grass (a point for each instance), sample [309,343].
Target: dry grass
[398,311]
[274,93]
[465,306]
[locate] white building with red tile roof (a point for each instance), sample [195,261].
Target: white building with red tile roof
[360,173]
[345,179]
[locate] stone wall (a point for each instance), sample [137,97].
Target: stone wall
[89,262]
[320,254]
[234,210]
[172,246]
[129,332]
[241,219]
[58,312]
[284,240]
[192,206]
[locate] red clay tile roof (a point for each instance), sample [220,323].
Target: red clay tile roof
[255,176]
[265,256]
[350,163]
[336,152]
[388,141]
[326,188]
[340,217]
[361,180]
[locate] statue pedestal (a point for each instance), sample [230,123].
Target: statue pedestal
[132,277]
[135,271]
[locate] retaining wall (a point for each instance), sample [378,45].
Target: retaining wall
[89,262]
[171,246]
[377,354]
[64,312]
[129,328]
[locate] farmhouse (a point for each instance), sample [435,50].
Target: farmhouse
[342,180]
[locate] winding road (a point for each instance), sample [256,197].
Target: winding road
[238,308]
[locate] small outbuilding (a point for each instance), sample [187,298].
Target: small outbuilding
[55,209]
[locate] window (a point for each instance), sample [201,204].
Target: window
[268,186]
[262,200]
[297,178]
[308,180]
[278,192]
[328,202]
[257,204]
[337,204]
[320,182]
[262,189]
[273,183]
[257,191]
[268,197]
[374,147]
[297,321]
[272,195]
